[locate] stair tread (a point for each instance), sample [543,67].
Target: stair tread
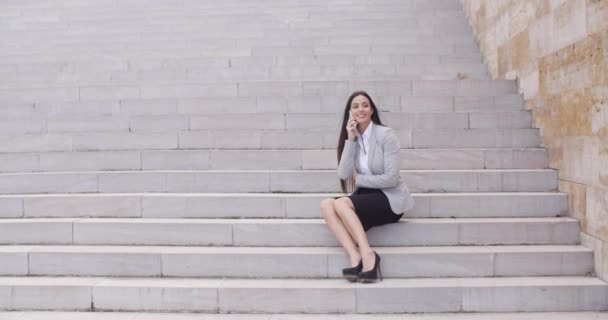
[285,250]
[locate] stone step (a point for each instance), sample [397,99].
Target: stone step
[251,73]
[529,294]
[276,205]
[265,121]
[208,106]
[174,89]
[256,68]
[507,158]
[56,63]
[52,315]
[295,139]
[285,232]
[291,262]
[305,181]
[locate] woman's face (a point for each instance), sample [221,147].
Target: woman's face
[361,110]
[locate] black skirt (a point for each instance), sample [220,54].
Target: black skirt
[372,208]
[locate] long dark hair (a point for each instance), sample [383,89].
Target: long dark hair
[344,134]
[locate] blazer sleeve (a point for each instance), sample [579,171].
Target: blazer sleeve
[390,177]
[347,161]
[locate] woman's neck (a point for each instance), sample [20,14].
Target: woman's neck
[361,127]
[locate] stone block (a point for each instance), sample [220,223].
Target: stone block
[22,126]
[422,159]
[548,263]
[148,107]
[537,298]
[35,143]
[279,299]
[248,181]
[410,299]
[164,123]
[498,205]
[146,296]
[325,88]
[82,206]
[88,124]
[241,122]
[518,232]
[109,92]
[14,264]
[20,162]
[90,161]
[248,264]
[213,206]
[596,217]
[151,232]
[35,232]
[14,183]
[225,105]
[427,104]
[501,120]
[91,264]
[54,297]
[11,207]
[299,139]
[269,88]
[256,160]
[529,180]
[188,91]
[124,141]
[175,160]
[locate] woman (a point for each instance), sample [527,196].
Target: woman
[368,158]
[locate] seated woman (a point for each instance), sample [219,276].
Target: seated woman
[368,159]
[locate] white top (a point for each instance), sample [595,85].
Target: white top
[363,141]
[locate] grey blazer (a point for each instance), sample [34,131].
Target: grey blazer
[383,163]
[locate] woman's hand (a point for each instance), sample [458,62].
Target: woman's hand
[351,129]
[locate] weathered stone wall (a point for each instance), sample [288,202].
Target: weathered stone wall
[558,49]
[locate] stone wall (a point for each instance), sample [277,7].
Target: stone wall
[558,50]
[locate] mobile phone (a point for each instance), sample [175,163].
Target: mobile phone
[350,116]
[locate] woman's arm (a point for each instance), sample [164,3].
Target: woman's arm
[347,161]
[390,177]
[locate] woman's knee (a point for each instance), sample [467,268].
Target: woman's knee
[343,205]
[327,206]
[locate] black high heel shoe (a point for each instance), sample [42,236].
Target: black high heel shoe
[373,274]
[351,274]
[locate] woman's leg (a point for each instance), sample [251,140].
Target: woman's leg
[346,211]
[337,228]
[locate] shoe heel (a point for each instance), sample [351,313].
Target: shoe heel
[352,274]
[373,274]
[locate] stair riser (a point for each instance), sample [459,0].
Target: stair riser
[323,122]
[243,233]
[230,106]
[472,264]
[299,73]
[279,206]
[263,160]
[466,88]
[263,182]
[349,299]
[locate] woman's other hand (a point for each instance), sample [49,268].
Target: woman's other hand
[351,129]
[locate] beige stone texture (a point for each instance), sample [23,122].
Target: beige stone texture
[597,206]
[580,160]
[558,50]
[599,117]
[577,200]
[603,161]
[597,15]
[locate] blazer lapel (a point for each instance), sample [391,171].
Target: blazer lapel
[372,147]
